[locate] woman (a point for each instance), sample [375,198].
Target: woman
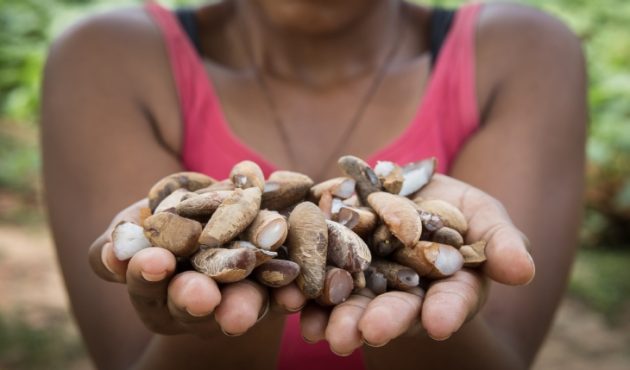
[136,94]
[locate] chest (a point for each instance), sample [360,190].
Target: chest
[307,129]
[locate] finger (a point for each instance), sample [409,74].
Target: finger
[342,331]
[101,253]
[148,275]
[242,303]
[445,188]
[313,322]
[388,316]
[450,302]
[508,259]
[288,298]
[192,297]
[104,263]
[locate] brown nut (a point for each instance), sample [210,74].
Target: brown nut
[391,176]
[170,231]
[398,276]
[450,215]
[358,279]
[224,265]
[339,187]
[346,249]
[277,273]
[225,185]
[383,242]
[284,189]
[262,255]
[247,174]
[399,214]
[170,202]
[308,244]
[268,230]
[366,180]
[182,180]
[375,281]
[474,254]
[430,259]
[337,287]
[325,205]
[231,218]
[203,205]
[361,220]
[446,235]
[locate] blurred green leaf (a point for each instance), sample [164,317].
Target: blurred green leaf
[26,346]
[602,279]
[28,26]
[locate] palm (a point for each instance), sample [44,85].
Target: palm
[448,303]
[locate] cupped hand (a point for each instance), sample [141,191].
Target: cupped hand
[187,302]
[448,303]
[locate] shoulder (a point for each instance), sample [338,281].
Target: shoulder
[104,32]
[121,46]
[525,55]
[515,37]
[116,60]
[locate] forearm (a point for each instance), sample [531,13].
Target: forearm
[474,346]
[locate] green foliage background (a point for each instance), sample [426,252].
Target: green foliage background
[600,276]
[28,26]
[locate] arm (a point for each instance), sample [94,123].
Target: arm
[528,154]
[96,136]
[111,128]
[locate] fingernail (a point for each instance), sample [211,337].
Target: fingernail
[197,314]
[340,354]
[372,344]
[438,338]
[104,252]
[153,277]
[230,334]
[293,310]
[263,311]
[308,340]
[533,265]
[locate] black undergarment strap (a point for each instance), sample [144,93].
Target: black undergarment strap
[188,22]
[441,21]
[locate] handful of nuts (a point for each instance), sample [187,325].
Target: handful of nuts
[365,230]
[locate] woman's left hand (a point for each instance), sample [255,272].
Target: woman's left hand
[448,303]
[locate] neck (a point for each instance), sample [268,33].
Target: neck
[353,48]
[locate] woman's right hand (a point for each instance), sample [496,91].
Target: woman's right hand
[177,303]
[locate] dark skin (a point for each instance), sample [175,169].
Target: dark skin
[112,127]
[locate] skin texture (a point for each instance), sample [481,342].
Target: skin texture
[110,108]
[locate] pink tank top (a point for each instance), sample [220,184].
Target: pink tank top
[446,117]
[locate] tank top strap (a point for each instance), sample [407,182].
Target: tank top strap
[202,117]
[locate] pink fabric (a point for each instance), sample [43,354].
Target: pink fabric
[446,117]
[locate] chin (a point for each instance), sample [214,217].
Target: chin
[314,16]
